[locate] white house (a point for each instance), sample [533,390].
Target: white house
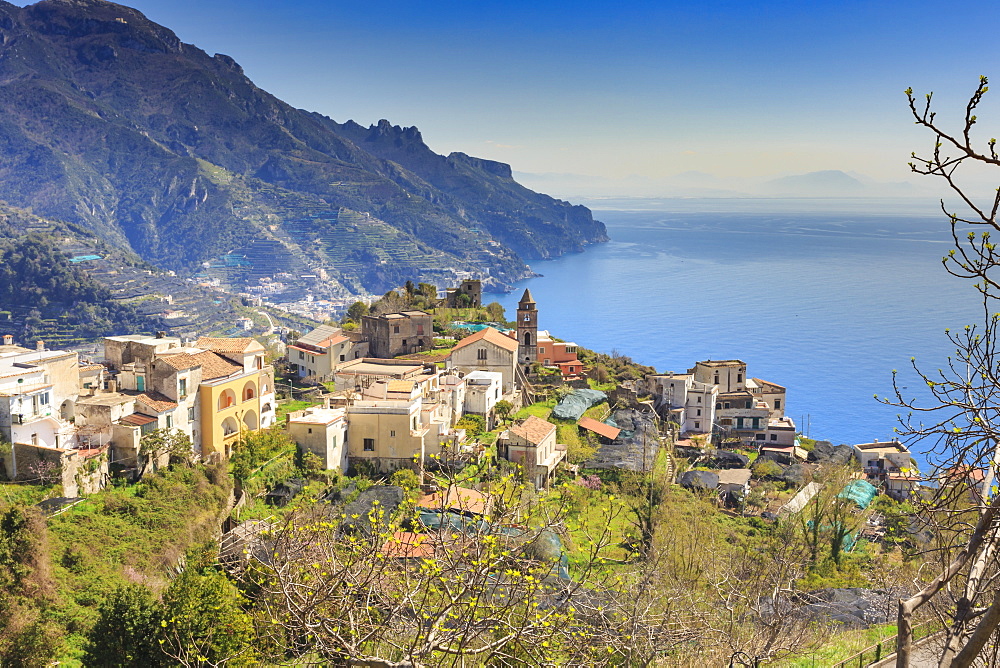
[482,392]
[486,350]
[691,403]
[322,431]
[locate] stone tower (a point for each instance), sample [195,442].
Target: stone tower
[527,331]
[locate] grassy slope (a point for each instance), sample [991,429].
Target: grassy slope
[134,534]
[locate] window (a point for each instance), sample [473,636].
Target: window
[759,437]
[420,330]
[541,349]
[727,404]
[170,422]
[369,445]
[739,378]
[481,354]
[404,342]
[749,404]
[699,398]
[341,358]
[777,404]
[395,329]
[774,437]
[392,433]
[302,355]
[182,387]
[527,317]
[191,414]
[718,406]
[716,379]
[310,430]
[697,425]
[699,412]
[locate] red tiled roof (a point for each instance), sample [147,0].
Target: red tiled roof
[137,419]
[533,429]
[214,365]
[489,335]
[605,430]
[226,345]
[156,401]
[408,545]
[180,361]
[459,498]
[762,383]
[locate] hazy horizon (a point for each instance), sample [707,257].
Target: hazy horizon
[630,95]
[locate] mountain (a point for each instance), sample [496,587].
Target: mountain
[109,121]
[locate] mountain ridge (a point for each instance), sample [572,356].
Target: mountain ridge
[111,121]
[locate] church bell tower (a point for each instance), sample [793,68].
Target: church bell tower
[527,331]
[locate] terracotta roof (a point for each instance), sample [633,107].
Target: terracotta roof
[137,419]
[457,498]
[226,345]
[91,367]
[408,545]
[605,430]
[180,361]
[533,429]
[214,366]
[156,401]
[399,386]
[761,381]
[964,473]
[489,335]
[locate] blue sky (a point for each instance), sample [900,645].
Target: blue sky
[610,90]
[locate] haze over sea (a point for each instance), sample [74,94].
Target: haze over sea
[825,297]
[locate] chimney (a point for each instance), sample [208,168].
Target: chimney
[161,335]
[112,386]
[326,402]
[8,340]
[874,440]
[39,345]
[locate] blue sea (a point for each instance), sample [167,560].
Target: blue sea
[825,297]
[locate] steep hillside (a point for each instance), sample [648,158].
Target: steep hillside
[110,121]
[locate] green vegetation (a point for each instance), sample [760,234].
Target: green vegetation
[58,572]
[57,297]
[287,407]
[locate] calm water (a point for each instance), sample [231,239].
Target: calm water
[825,298]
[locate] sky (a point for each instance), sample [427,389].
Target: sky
[619,91]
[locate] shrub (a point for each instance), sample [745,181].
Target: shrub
[766,468]
[405,478]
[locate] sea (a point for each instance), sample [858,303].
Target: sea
[824,297]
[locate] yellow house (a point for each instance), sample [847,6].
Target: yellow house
[236,393]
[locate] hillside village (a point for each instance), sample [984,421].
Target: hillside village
[398,402]
[378,407]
